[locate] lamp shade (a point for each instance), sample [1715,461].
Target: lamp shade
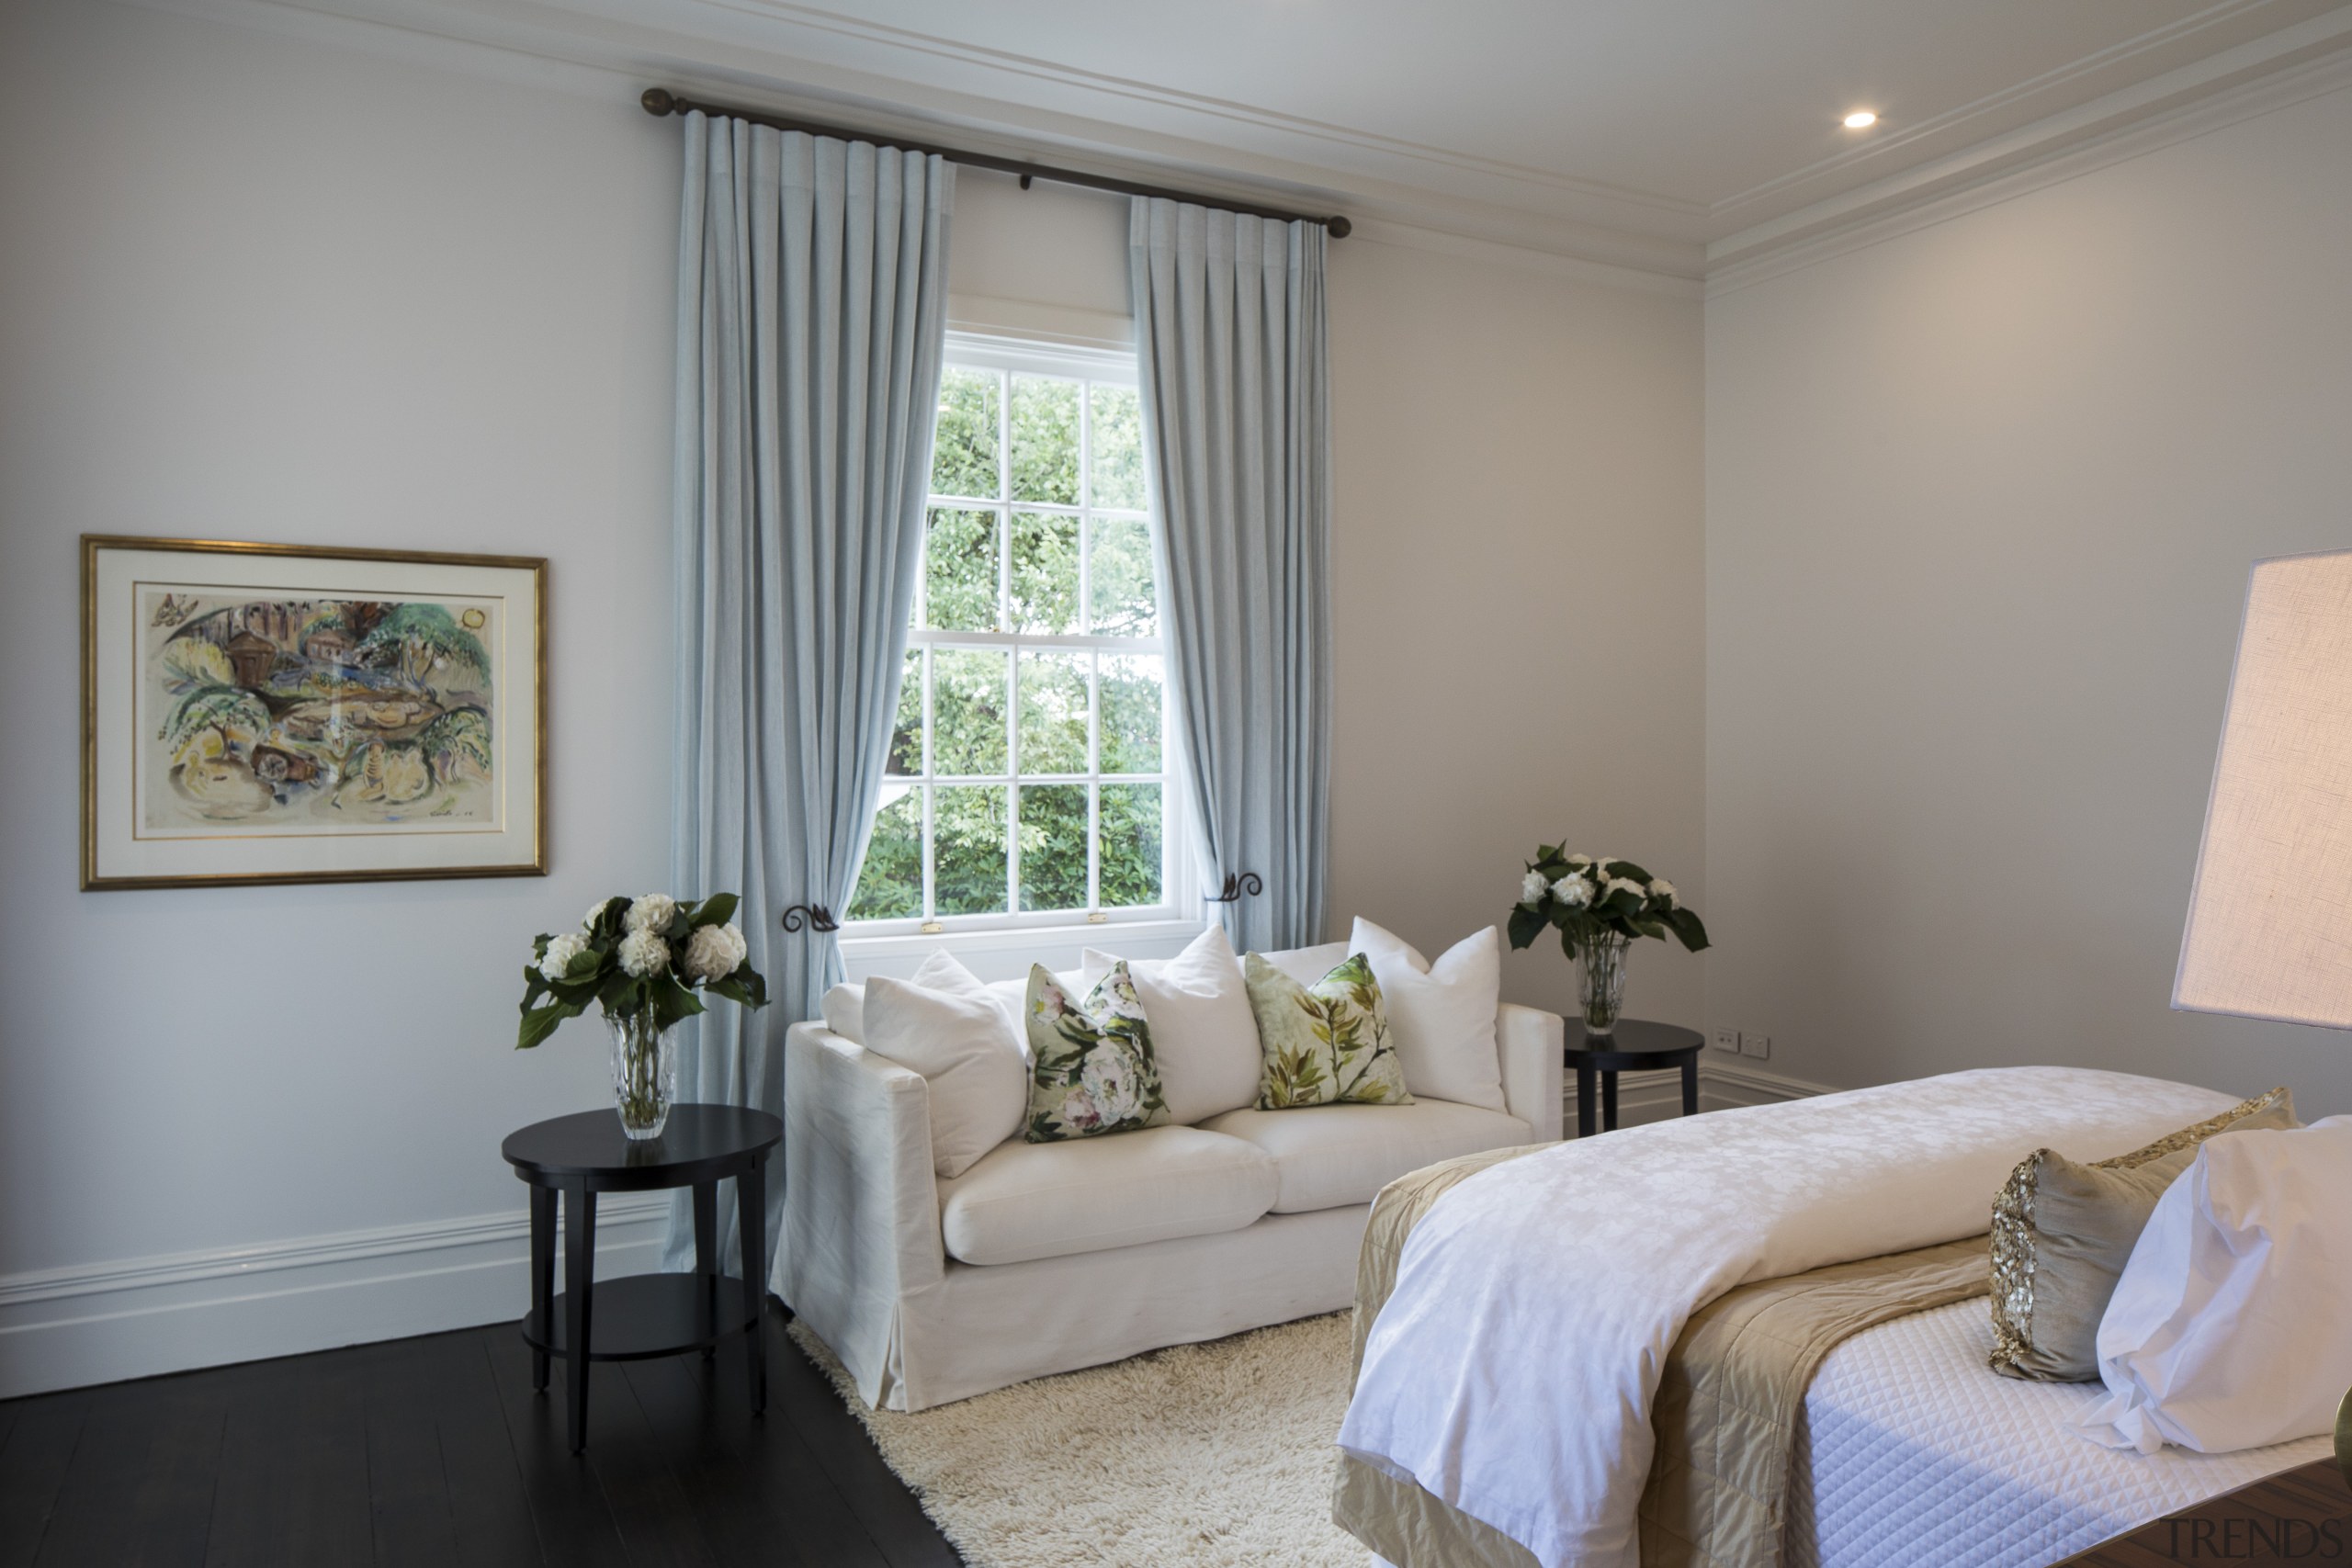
[2269,931]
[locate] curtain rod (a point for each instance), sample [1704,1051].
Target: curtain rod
[660,101]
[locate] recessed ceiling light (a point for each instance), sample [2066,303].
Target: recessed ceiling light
[1860,120]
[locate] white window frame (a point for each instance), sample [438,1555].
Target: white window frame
[1180,909]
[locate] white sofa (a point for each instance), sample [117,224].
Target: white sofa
[1045,1257]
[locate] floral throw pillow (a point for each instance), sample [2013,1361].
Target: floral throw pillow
[1323,1044]
[1091,1069]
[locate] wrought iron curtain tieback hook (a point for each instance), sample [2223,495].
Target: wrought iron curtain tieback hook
[815,917]
[1249,882]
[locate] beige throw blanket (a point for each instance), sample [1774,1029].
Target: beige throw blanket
[1727,1408]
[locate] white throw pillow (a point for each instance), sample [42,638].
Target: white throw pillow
[1308,964]
[1442,1015]
[2225,1331]
[947,1026]
[844,1010]
[1203,1035]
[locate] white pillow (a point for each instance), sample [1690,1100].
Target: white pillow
[1442,1015]
[1307,965]
[844,1010]
[2225,1330]
[1203,1036]
[947,1026]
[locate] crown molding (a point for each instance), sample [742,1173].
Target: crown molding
[2305,61]
[2180,42]
[1510,215]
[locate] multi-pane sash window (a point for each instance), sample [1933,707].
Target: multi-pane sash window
[1028,770]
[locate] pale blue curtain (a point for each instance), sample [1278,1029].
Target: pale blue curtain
[1230,337]
[812,279]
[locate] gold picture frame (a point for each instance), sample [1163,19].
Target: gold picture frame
[256,714]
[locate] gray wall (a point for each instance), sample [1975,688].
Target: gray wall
[360,290]
[1981,502]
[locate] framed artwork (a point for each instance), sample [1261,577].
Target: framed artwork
[267,713]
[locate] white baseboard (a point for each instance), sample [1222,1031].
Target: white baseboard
[73,1327]
[1723,1085]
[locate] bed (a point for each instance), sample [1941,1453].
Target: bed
[1753,1343]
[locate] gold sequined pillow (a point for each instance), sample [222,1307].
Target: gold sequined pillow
[2062,1231]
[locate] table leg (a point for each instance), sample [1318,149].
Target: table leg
[578,1283]
[1690,1088]
[707,1259]
[750,1213]
[1608,1101]
[542,1280]
[1584,1099]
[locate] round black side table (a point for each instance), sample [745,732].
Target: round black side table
[1637,1046]
[643,1315]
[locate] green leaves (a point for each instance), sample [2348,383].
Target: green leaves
[1685,924]
[1526,925]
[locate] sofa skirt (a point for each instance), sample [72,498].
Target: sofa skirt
[978,1329]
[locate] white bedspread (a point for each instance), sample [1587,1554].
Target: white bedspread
[1511,1371]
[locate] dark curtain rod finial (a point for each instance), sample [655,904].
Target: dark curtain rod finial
[659,102]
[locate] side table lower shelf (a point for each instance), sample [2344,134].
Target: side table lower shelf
[640,1316]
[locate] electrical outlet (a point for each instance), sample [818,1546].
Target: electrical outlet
[1756,1045]
[1727,1040]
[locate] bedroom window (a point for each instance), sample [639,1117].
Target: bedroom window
[1028,776]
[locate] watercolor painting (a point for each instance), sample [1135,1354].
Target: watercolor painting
[262,714]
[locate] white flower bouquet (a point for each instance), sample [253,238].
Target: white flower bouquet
[1599,904]
[1589,898]
[641,958]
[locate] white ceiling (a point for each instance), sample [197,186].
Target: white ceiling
[1660,134]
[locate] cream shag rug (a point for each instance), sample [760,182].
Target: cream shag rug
[1218,1455]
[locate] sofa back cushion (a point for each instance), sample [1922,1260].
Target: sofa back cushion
[1308,964]
[1202,1033]
[844,1010]
[1442,1015]
[945,1025]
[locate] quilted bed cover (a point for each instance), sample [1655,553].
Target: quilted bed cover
[1908,1452]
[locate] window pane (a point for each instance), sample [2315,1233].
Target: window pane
[967,711]
[968,854]
[963,454]
[1044,573]
[889,886]
[960,571]
[1116,437]
[1130,846]
[1053,714]
[906,729]
[1045,440]
[1053,846]
[1130,685]
[1124,603]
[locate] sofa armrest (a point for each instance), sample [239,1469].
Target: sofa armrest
[1532,1041]
[861,1211]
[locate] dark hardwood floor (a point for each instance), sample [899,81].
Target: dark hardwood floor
[436,1451]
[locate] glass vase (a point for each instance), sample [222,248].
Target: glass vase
[1601,980]
[645,1072]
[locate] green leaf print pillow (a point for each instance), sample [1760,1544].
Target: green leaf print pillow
[1092,1068]
[1322,1044]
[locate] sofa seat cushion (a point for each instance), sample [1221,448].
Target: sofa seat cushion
[1330,1156]
[1024,1201]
